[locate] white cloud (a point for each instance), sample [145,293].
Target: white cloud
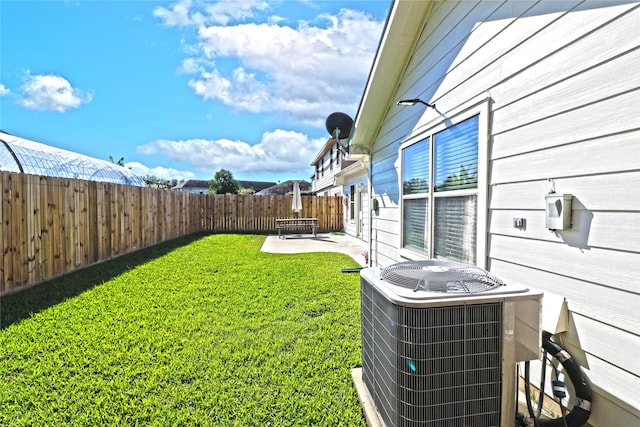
[190,66]
[275,19]
[309,71]
[279,152]
[306,72]
[225,11]
[159,172]
[180,14]
[177,16]
[242,91]
[48,92]
[4,91]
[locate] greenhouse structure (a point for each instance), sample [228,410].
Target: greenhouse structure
[22,155]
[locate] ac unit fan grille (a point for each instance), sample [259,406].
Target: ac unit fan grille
[440,276]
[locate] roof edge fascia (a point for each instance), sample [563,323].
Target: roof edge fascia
[354,169]
[401,33]
[330,143]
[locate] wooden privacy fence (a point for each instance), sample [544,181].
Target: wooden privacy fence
[51,226]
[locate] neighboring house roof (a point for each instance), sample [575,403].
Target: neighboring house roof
[204,184]
[331,142]
[326,147]
[192,183]
[256,185]
[284,188]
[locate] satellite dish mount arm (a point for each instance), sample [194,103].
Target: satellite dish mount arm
[340,124]
[344,149]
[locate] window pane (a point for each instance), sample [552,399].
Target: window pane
[455,234]
[414,231]
[352,201]
[415,168]
[456,156]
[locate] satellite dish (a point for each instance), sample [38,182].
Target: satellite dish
[339,125]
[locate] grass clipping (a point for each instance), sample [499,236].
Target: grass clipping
[209,332]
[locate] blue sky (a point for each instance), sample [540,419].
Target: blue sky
[181,89]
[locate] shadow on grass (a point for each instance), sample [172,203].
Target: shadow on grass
[23,304]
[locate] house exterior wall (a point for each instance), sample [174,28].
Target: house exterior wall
[563,93]
[324,185]
[357,225]
[327,164]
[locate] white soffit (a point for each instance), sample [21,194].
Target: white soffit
[354,169]
[402,29]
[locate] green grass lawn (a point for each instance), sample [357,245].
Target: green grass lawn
[199,331]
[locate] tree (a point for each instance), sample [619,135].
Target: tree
[154,182]
[223,183]
[465,179]
[119,162]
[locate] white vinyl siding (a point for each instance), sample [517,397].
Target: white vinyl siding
[565,105]
[326,169]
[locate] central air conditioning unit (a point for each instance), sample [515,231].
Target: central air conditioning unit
[440,342]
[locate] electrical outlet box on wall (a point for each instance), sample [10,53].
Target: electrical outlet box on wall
[558,211]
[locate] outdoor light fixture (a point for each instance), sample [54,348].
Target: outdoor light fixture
[415,101]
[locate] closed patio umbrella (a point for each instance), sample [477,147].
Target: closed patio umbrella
[296,204]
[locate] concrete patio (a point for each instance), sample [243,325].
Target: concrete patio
[323,242]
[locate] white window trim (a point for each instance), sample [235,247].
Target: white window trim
[480,107]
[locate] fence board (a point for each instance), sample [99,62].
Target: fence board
[20,257]
[46,248]
[31,219]
[83,224]
[57,235]
[67,228]
[12,231]
[50,226]
[5,211]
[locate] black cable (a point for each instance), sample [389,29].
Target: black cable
[562,408]
[543,377]
[527,393]
[582,408]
